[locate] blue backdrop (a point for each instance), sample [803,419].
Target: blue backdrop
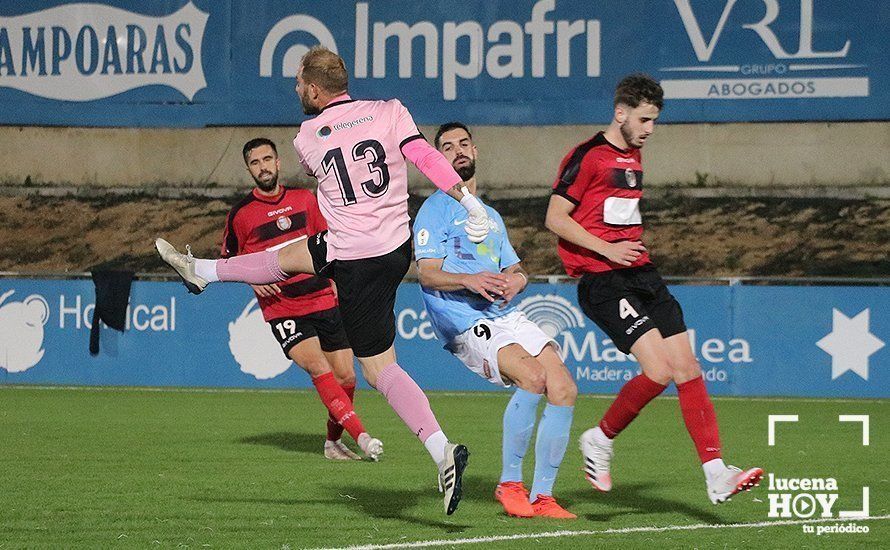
[794,341]
[223,62]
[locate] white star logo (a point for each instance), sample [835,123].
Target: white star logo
[849,344]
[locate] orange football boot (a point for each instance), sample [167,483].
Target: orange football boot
[546,507]
[513,496]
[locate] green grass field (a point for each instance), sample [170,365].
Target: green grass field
[142,468]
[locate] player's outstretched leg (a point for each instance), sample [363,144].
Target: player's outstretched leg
[519,422]
[258,268]
[183,264]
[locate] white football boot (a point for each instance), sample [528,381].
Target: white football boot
[373,448]
[184,264]
[731,482]
[597,457]
[337,450]
[451,471]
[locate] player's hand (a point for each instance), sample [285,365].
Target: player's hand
[266,291]
[515,284]
[489,285]
[477,225]
[624,252]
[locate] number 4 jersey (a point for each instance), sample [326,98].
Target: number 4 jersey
[353,148]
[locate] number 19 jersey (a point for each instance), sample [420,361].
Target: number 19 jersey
[353,148]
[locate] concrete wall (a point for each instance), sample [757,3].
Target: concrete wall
[514,160]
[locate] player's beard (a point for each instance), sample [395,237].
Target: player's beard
[308,108]
[267,186]
[467,171]
[629,137]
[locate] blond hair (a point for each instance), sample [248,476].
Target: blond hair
[325,69]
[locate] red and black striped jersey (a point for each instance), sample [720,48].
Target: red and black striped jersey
[261,223]
[605,184]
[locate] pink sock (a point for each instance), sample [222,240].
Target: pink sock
[259,268]
[408,400]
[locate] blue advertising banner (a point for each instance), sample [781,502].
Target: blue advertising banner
[783,341]
[221,62]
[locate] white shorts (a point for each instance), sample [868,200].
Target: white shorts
[478,347]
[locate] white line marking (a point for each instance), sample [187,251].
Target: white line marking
[858,513]
[857,418]
[624,530]
[802,67]
[772,420]
[714,68]
[434,393]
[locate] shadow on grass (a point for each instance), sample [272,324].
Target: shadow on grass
[635,498]
[394,504]
[289,441]
[375,502]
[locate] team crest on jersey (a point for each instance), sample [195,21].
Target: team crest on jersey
[324,132]
[283,223]
[631,177]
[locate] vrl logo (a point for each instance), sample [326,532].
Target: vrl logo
[291,60]
[705,48]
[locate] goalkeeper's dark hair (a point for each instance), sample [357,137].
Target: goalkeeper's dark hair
[638,88]
[257,142]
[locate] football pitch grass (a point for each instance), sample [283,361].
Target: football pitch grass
[103,467]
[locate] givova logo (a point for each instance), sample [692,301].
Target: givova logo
[21,331]
[291,60]
[552,313]
[253,346]
[82,52]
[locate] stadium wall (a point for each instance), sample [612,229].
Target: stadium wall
[522,159]
[750,340]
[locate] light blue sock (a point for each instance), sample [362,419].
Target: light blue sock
[519,421]
[550,447]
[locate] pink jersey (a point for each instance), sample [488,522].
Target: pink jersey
[353,148]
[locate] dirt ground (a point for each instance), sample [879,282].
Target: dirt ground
[688,237]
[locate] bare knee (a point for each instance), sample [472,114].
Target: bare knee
[562,390]
[685,370]
[533,381]
[345,379]
[316,366]
[661,374]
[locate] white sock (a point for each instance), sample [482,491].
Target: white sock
[713,468]
[435,445]
[206,269]
[600,436]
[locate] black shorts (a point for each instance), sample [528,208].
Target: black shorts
[627,303]
[366,289]
[326,325]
